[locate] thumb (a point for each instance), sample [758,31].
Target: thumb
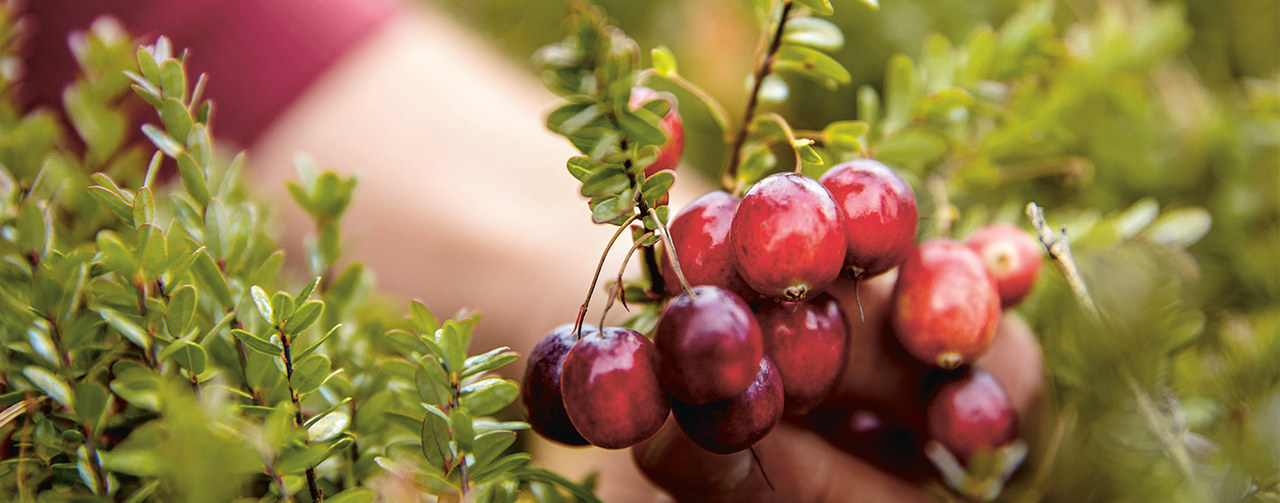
[801,465]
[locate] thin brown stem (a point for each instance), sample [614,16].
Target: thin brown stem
[316,495]
[671,254]
[582,310]
[760,465]
[616,291]
[728,181]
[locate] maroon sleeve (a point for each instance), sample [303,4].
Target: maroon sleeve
[260,55]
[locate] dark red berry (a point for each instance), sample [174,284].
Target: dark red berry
[788,237]
[1012,257]
[541,395]
[945,305]
[732,425]
[700,234]
[611,389]
[880,215]
[970,413]
[710,345]
[808,342]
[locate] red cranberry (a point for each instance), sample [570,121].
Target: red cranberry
[541,394]
[732,425]
[700,234]
[808,342]
[1012,257]
[945,305]
[971,413]
[788,237]
[880,215]
[710,345]
[611,389]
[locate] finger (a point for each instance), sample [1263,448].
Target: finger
[801,466]
[1016,361]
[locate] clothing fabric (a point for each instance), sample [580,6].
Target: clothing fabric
[260,55]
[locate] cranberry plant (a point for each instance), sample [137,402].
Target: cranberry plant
[157,349]
[1049,122]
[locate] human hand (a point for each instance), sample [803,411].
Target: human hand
[809,459]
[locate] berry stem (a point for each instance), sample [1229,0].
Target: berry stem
[729,180]
[616,291]
[582,310]
[760,465]
[671,252]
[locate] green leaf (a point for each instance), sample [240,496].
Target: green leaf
[127,327]
[407,344]
[1180,228]
[144,493]
[281,308]
[609,179]
[454,338]
[51,385]
[294,461]
[310,373]
[305,316]
[423,321]
[305,294]
[354,495]
[432,381]
[819,7]
[488,361]
[257,343]
[489,445]
[177,120]
[506,464]
[607,209]
[181,308]
[463,433]
[657,185]
[900,93]
[91,403]
[911,148]
[435,442]
[846,135]
[217,230]
[173,79]
[211,278]
[641,127]
[814,64]
[153,249]
[581,167]
[553,478]
[328,427]
[189,356]
[162,140]
[262,302]
[813,32]
[488,396]
[807,153]
[664,62]
[114,201]
[144,207]
[193,178]
[316,345]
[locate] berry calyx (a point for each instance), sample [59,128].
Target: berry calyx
[543,402]
[611,390]
[700,233]
[1012,257]
[971,413]
[788,237]
[808,343]
[880,215]
[709,345]
[945,305]
[732,425]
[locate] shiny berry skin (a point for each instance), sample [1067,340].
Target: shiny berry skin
[541,394]
[788,237]
[671,124]
[732,425]
[611,390]
[808,342]
[945,305]
[709,345]
[880,215]
[970,413]
[701,237]
[1012,257]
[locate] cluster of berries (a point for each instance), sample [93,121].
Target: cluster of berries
[756,338]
